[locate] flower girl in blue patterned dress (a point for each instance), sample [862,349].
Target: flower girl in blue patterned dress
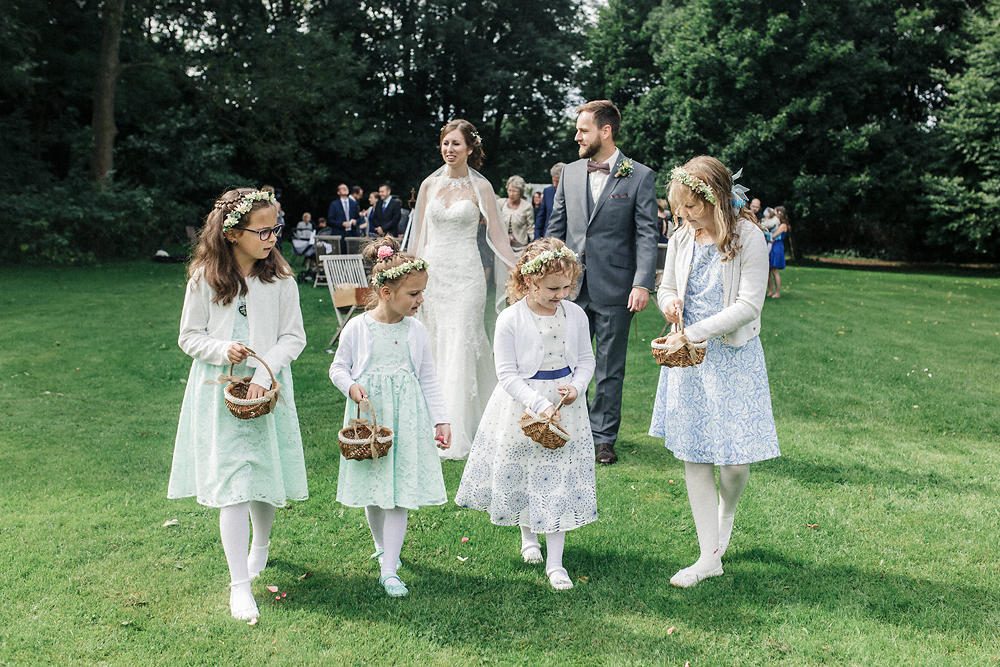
[542,351]
[384,357]
[717,413]
[240,295]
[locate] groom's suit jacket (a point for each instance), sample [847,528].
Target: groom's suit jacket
[616,235]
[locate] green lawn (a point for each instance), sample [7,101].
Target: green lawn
[871,541]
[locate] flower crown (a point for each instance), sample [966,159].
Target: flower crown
[246,203]
[680,175]
[379,279]
[535,265]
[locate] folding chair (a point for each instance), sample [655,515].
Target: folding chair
[332,248]
[344,271]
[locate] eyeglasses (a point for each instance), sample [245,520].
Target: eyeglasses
[264,234]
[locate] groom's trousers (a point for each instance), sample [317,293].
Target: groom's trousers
[609,327]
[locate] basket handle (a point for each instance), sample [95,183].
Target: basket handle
[254,355]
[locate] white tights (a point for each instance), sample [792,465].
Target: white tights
[234,524]
[714,509]
[388,531]
[554,544]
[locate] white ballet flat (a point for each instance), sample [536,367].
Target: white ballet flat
[532,553]
[241,603]
[559,578]
[688,577]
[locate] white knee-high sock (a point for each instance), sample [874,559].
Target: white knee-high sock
[554,543]
[393,531]
[261,518]
[376,520]
[704,499]
[234,524]
[732,481]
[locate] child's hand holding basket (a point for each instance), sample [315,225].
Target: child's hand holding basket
[682,353]
[543,429]
[237,389]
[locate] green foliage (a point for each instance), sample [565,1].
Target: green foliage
[825,105]
[963,188]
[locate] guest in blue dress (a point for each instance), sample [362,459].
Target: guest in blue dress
[717,413]
[777,255]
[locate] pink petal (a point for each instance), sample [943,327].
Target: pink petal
[277,597]
[252,621]
[465,539]
[273,589]
[284,594]
[670,631]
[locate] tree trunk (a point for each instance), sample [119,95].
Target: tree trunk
[103,124]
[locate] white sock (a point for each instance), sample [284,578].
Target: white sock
[554,543]
[732,481]
[528,538]
[394,531]
[261,518]
[702,494]
[376,520]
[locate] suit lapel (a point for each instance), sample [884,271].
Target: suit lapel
[609,187]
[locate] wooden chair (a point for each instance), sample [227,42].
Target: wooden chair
[355,243]
[344,270]
[334,249]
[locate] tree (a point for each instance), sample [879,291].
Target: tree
[102,160]
[963,188]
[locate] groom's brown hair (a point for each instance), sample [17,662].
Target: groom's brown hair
[605,113]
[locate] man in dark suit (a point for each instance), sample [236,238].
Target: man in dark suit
[548,197]
[343,216]
[385,214]
[605,210]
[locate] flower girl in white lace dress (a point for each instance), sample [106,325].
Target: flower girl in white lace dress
[717,413]
[542,350]
[384,357]
[240,295]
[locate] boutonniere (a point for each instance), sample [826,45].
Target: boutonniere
[624,169]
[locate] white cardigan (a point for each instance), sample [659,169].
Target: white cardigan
[518,352]
[276,331]
[744,280]
[354,351]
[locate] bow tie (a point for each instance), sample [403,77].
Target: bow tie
[598,166]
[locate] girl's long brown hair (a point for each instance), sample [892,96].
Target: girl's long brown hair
[214,253]
[718,178]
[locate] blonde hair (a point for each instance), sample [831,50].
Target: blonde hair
[214,253]
[397,258]
[718,179]
[517,283]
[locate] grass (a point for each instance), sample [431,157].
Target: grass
[893,467]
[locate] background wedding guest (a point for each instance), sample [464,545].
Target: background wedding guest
[385,214]
[536,202]
[667,223]
[358,194]
[776,257]
[343,215]
[517,214]
[548,197]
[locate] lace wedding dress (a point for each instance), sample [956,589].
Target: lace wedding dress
[448,215]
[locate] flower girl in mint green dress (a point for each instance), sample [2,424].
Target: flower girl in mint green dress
[240,295]
[384,357]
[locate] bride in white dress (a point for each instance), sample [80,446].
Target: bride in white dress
[452,202]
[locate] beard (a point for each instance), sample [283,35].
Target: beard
[590,150]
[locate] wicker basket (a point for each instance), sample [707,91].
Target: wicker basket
[236,392]
[543,431]
[689,354]
[360,440]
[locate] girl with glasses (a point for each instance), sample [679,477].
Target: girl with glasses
[241,296]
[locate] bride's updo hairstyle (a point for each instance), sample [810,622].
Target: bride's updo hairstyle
[384,254]
[517,283]
[472,139]
[705,171]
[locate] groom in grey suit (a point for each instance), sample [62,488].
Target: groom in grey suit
[605,210]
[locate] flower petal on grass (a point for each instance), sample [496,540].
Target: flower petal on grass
[305,576]
[670,630]
[171,522]
[252,621]
[465,539]
[273,589]
[462,559]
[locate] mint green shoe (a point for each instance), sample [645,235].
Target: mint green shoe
[394,590]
